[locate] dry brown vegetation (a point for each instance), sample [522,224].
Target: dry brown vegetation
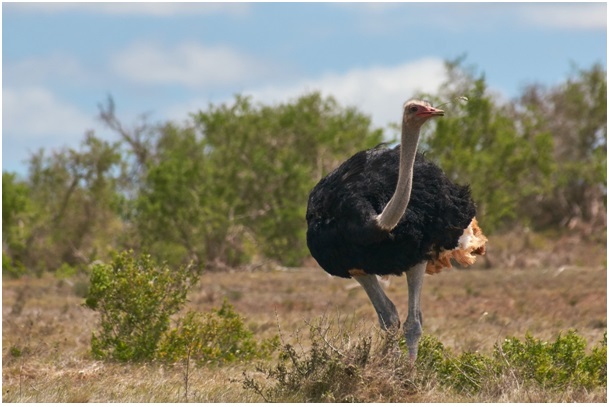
[46,330]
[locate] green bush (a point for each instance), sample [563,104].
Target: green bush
[595,364]
[66,271]
[12,267]
[464,373]
[135,298]
[218,336]
[557,364]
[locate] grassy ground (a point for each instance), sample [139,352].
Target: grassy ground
[46,331]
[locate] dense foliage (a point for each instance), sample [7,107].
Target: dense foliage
[230,187]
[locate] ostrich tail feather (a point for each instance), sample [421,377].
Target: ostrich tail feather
[471,243]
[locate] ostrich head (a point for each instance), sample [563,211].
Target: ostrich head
[417,112]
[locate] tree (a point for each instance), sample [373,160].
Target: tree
[479,143]
[15,207]
[75,204]
[175,213]
[575,114]
[277,155]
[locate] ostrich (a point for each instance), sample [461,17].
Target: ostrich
[389,211]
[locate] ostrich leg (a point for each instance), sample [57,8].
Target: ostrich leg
[413,327]
[387,313]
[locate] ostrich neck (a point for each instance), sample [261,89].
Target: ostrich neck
[392,213]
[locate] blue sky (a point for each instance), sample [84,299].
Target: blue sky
[60,60]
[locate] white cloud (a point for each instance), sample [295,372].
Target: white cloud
[569,16]
[155,9]
[33,114]
[187,64]
[386,18]
[379,91]
[39,69]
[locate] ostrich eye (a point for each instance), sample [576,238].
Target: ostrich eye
[413,109]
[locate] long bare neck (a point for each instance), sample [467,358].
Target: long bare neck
[392,213]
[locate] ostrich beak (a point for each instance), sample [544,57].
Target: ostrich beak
[431,112]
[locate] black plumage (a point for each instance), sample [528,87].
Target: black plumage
[342,231]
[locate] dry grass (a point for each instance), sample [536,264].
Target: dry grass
[46,330]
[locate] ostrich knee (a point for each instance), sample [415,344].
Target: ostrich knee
[385,309]
[388,318]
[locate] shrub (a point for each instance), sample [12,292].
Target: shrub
[135,298]
[324,374]
[432,355]
[337,367]
[66,271]
[595,364]
[557,364]
[12,267]
[218,336]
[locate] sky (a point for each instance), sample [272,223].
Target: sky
[166,60]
